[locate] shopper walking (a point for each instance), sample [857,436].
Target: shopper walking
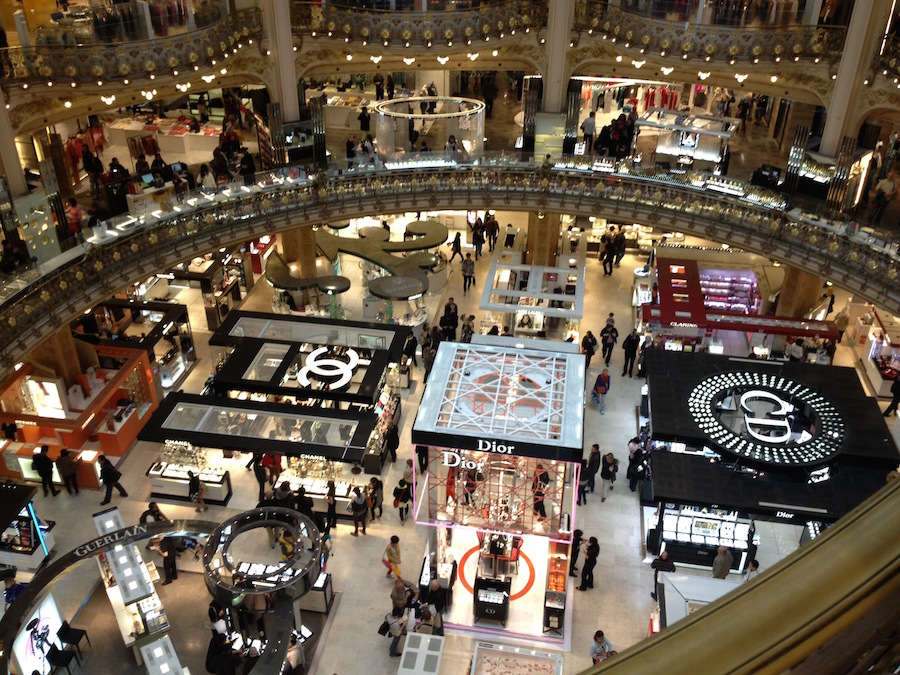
[259,473]
[456,247]
[593,465]
[43,466]
[588,347]
[468,273]
[608,256]
[391,557]
[392,440]
[110,476]
[196,492]
[601,389]
[376,497]
[660,564]
[589,128]
[402,496]
[358,510]
[608,338]
[272,464]
[619,245]
[590,561]
[895,398]
[630,345]
[583,477]
[608,469]
[428,362]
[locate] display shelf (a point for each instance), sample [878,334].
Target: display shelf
[26,541]
[170,480]
[320,595]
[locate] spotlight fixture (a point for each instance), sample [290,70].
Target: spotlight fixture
[443,59]
[666,70]
[702,75]
[409,61]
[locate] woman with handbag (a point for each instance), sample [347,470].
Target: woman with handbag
[601,388]
[391,557]
[402,496]
[396,626]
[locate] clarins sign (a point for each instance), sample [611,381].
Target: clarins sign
[767,418]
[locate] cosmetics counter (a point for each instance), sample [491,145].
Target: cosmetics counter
[693,534]
[169,474]
[26,541]
[116,404]
[874,336]
[18,463]
[163,329]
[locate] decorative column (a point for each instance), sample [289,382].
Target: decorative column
[543,239]
[799,292]
[277,21]
[556,76]
[299,246]
[9,156]
[863,37]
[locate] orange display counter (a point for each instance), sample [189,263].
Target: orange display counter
[109,424]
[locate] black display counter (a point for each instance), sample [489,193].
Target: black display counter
[491,599]
[809,445]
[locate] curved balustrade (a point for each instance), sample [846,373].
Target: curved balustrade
[870,272]
[491,20]
[710,43]
[86,64]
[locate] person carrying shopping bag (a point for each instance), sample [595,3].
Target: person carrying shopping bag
[391,557]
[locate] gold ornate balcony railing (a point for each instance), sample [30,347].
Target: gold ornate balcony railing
[888,62]
[86,64]
[34,313]
[490,21]
[681,40]
[831,607]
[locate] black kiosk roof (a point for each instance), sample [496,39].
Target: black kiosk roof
[767,461]
[266,346]
[230,424]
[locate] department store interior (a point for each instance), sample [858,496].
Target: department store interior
[231,234]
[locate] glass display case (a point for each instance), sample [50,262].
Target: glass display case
[491,599]
[692,534]
[730,290]
[169,478]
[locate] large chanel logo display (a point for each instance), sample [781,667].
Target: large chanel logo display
[767,418]
[336,372]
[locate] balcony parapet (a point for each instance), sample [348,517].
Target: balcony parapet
[691,41]
[94,64]
[867,269]
[490,22]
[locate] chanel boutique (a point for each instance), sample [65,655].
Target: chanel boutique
[321,393]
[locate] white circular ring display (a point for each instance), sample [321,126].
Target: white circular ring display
[329,367]
[824,443]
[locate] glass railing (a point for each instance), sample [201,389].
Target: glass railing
[484,22]
[137,246]
[81,63]
[682,38]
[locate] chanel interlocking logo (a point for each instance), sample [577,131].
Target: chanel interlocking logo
[339,372]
